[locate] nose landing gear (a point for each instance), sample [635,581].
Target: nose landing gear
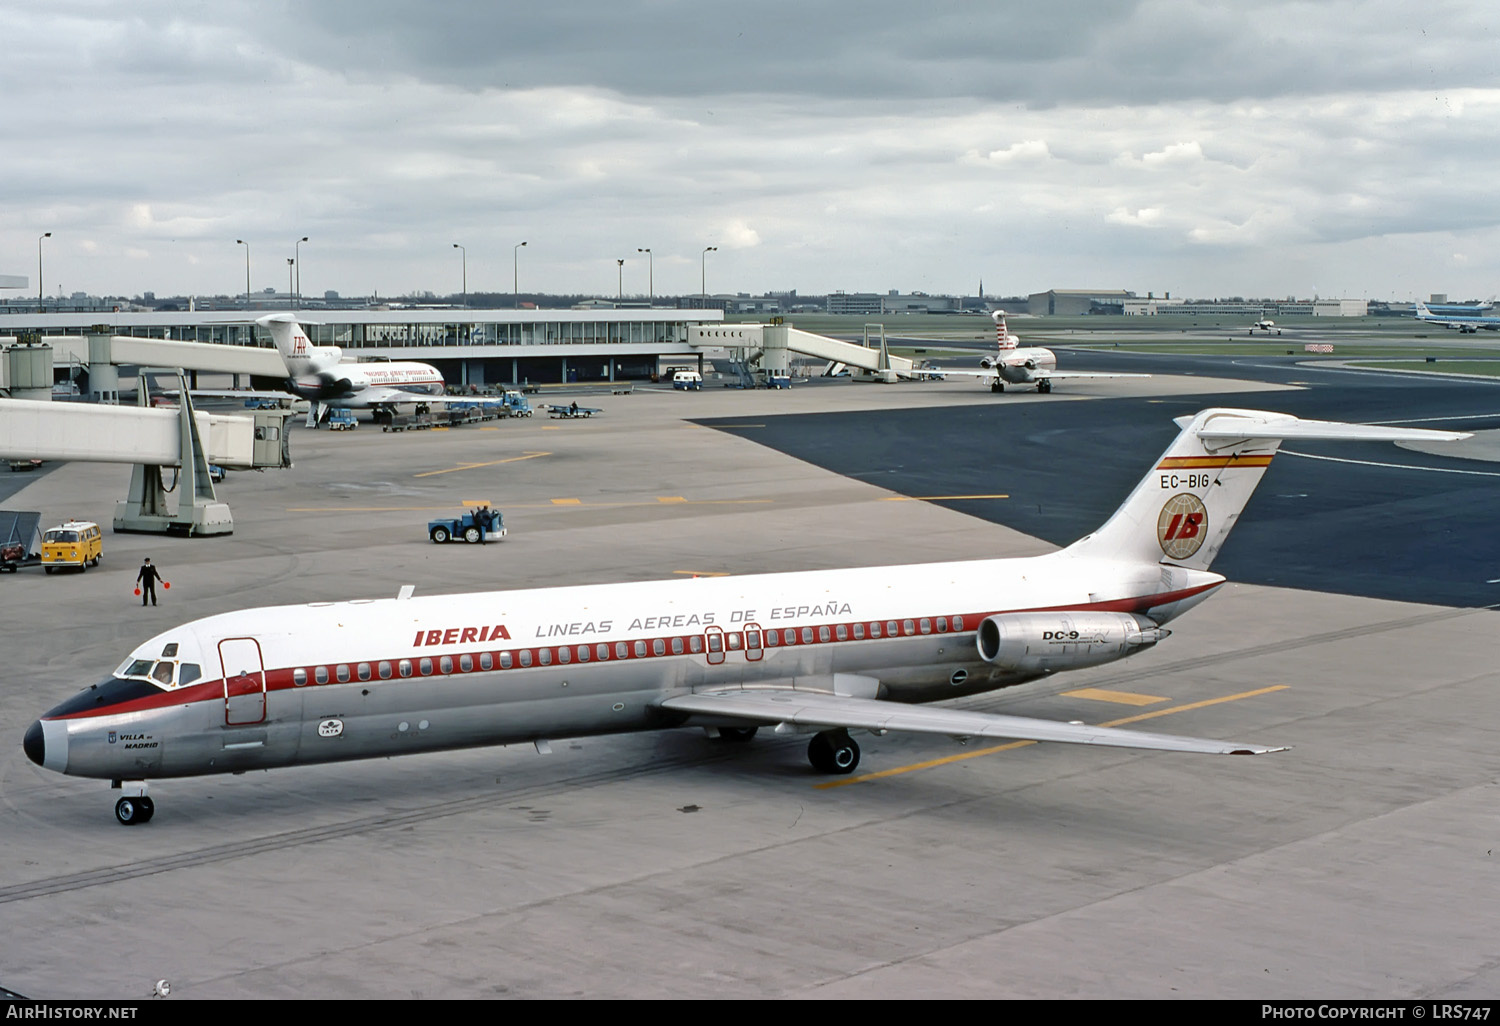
[134,807]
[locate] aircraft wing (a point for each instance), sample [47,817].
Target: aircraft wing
[1060,374]
[821,710]
[945,372]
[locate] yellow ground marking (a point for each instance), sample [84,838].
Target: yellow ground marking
[1122,697]
[436,428]
[703,573]
[551,427]
[929,764]
[476,466]
[477,502]
[567,502]
[731,425]
[935,498]
[670,498]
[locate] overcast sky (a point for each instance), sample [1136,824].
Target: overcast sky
[1203,149]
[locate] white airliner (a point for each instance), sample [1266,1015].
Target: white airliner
[1018,365]
[320,375]
[1264,324]
[1465,325]
[819,652]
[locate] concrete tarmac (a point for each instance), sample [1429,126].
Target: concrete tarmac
[1357,865]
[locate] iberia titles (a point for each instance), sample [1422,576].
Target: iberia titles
[461,635]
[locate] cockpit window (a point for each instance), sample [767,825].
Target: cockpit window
[170,651]
[187,673]
[162,674]
[139,668]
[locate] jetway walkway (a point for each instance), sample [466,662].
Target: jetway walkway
[769,344]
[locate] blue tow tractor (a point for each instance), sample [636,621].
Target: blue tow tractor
[472,526]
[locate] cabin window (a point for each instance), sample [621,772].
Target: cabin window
[823,634]
[505,660]
[892,630]
[926,625]
[583,653]
[544,656]
[859,632]
[958,623]
[942,624]
[363,669]
[601,651]
[841,632]
[446,664]
[752,640]
[404,667]
[486,661]
[807,635]
[773,638]
[677,646]
[342,672]
[466,662]
[715,643]
[320,674]
[384,669]
[874,630]
[640,650]
[732,641]
[622,650]
[909,627]
[565,654]
[695,643]
[525,657]
[425,667]
[299,676]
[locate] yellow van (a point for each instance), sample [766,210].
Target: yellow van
[77,543]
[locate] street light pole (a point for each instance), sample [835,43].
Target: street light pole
[515,274]
[703,277]
[289,263]
[464,255]
[297,252]
[242,242]
[39,300]
[650,276]
[620,284]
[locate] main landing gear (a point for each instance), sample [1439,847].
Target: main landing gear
[134,807]
[1044,386]
[833,751]
[997,386]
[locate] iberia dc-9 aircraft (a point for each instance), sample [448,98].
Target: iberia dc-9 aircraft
[1016,364]
[320,375]
[820,652]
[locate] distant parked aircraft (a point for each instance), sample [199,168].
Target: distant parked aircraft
[1017,365]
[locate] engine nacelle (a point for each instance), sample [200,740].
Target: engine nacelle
[1047,642]
[989,363]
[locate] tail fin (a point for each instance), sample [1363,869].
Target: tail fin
[1422,310]
[1003,338]
[1182,511]
[287,333]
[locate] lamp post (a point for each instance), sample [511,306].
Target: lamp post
[650,276]
[296,252]
[703,276]
[515,274]
[289,263]
[464,256]
[39,300]
[620,284]
[242,242]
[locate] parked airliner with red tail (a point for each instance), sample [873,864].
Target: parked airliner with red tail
[1016,364]
[820,652]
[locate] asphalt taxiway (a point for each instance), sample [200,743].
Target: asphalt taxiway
[1357,864]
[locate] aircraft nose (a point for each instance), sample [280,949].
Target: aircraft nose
[33,743]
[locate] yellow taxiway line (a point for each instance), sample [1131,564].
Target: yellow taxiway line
[930,763]
[939,498]
[476,466]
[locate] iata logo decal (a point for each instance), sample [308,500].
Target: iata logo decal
[1182,525]
[330,728]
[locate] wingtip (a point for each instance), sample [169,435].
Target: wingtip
[1259,751]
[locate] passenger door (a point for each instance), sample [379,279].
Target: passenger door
[244,681]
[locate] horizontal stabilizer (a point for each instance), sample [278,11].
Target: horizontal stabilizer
[828,711]
[1238,427]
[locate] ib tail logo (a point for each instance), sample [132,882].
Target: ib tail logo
[1182,525]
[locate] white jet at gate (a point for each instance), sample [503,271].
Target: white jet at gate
[320,374]
[821,652]
[1016,364]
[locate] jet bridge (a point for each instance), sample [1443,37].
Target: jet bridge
[152,440]
[768,345]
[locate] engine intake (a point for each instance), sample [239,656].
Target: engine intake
[1047,642]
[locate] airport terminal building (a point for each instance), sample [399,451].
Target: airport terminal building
[470,347]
